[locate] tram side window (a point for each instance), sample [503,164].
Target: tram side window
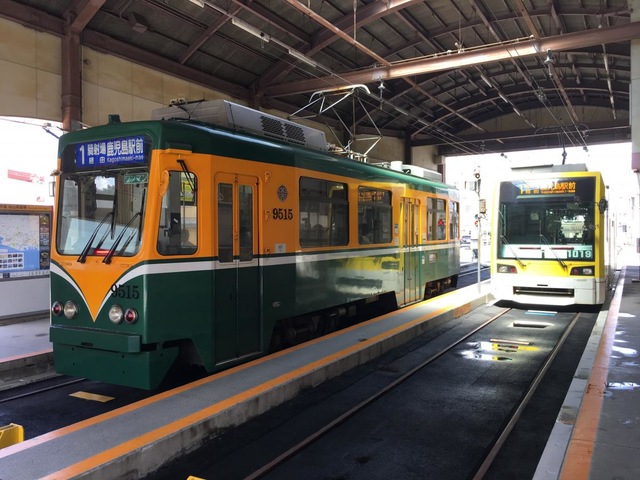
[453,220]
[178,232]
[246,218]
[225,222]
[374,216]
[436,218]
[324,213]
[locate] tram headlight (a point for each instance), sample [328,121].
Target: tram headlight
[506,268]
[116,314]
[70,310]
[57,308]
[583,271]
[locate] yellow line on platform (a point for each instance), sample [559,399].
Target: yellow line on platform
[577,460]
[201,415]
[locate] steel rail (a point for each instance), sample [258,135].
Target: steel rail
[486,464]
[294,450]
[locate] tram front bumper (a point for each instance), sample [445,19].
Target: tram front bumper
[109,357]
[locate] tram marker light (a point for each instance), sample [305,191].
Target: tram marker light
[130,316]
[57,309]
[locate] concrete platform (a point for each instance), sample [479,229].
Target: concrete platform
[135,440]
[25,352]
[596,433]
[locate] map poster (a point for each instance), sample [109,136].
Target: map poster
[25,240]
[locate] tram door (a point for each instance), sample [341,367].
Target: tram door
[237,276]
[411,251]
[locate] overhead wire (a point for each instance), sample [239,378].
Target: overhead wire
[574,134]
[431,129]
[544,100]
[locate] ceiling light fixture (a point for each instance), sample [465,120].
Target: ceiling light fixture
[199,3]
[136,23]
[250,29]
[486,80]
[302,57]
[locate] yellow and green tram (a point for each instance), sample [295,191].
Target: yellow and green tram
[549,238]
[183,241]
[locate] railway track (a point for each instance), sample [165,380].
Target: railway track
[54,383]
[441,407]
[364,404]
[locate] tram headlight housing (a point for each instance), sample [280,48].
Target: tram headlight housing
[116,314]
[70,310]
[588,271]
[502,268]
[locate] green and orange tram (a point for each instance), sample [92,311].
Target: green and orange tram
[215,238]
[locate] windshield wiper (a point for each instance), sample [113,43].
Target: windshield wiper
[503,238]
[515,255]
[87,247]
[544,239]
[107,258]
[112,250]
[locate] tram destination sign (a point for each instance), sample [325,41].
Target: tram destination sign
[547,187]
[111,152]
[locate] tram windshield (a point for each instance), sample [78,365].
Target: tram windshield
[101,213]
[547,219]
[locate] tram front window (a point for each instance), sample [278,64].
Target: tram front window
[101,214]
[549,230]
[547,218]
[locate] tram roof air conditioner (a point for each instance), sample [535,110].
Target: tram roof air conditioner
[569,167]
[415,170]
[244,119]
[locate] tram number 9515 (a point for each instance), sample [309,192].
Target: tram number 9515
[125,291]
[282,213]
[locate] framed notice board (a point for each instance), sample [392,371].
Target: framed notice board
[25,241]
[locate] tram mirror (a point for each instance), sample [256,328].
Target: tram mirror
[164,183]
[603,204]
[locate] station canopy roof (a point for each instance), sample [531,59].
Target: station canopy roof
[467,76]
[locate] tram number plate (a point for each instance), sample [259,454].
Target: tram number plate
[282,213]
[125,291]
[579,254]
